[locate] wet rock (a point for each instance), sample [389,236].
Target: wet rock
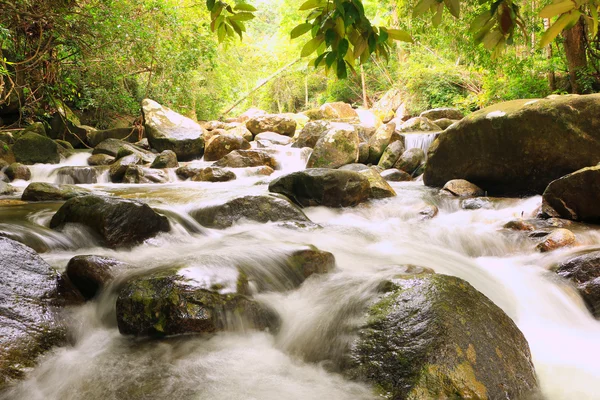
[259,208]
[119,168]
[32,148]
[40,191]
[476,203]
[3,177]
[147,157]
[462,188]
[386,107]
[418,124]
[395,175]
[100,159]
[306,262]
[410,160]
[242,132]
[391,155]
[166,159]
[6,189]
[322,186]
[138,174]
[167,303]
[503,147]
[557,239]
[444,123]
[118,149]
[380,141]
[28,324]
[584,272]
[380,189]
[18,171]
[78,175]
[339,146]
[118,222]
[437,113]
[338,110]
[274,138]
[247,158]
[519,225]
[574,196]
[363,152]
[311,133]
[428,212]
[168,130]
[354,167]
[187,171]
[90,274]
[213,174]
[277,123]
[221,145]
[436,337]
[129,134]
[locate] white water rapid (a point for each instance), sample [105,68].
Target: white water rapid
[370,242]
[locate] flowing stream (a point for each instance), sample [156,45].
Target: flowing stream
[370,242]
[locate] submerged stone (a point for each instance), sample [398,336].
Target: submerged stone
[584,272]
[41,191]
[90,273]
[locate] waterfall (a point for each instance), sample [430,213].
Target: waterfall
[419,140]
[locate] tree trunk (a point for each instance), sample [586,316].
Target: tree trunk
[551,75]
[364,88]
[575,53]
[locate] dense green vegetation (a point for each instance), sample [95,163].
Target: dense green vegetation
[102,57]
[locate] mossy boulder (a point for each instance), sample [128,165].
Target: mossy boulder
[410,160]
[584,272]
[169,303]
[575,196]
[436,337]
[118,222]
[29,325]
[166,159]
[187,171]
[418,124]
[139,174]
[221,145]
[100,159]
[380,141]
[444,123]
[380,189]
[168,130]
[118,148]
[6,189]
[391,155]
[311,133]
[518,147]
[41,191]
[396,175]
[32,148]
[322,186]
[259,208]
[18,171]
[119,168]
[443,112]
[247,158]
[339,146]
[462,188]
[277,123]
[213,174]
[129,134]
[338,110]
[90,273]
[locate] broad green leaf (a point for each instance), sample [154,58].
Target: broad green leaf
[561,23]
[594,14]
[340,28]
[242,16]
[383,35]
[300,30]
[484,31]
[221,33]
[330,58]
[311,46]
[319,60]
[360,46]
[244,7]
[343,47]
[480,21]
[437,17]
[491,39]
[341,71]
[454,7]
[236,26]
[310,4]
[210,4]
[422,7]
[553,10]
[398,34]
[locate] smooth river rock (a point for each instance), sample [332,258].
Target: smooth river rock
[575,196]
[584,272]
[41,191]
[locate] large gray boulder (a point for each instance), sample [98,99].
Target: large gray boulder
[169,303]
[436,337]
[118,222]
[220,145]
[575,196]
[322,186]
[259,208]
[518,147]
[247,158]
[443,112]
[311,133]
[130,134]
[41,191]
[28,324]
[418,124]
[168,130]
[584,272]
[380,141]
[32,148]
[339,146]
[277,123]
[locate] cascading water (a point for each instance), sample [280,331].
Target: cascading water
[371,242]
[419,140]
